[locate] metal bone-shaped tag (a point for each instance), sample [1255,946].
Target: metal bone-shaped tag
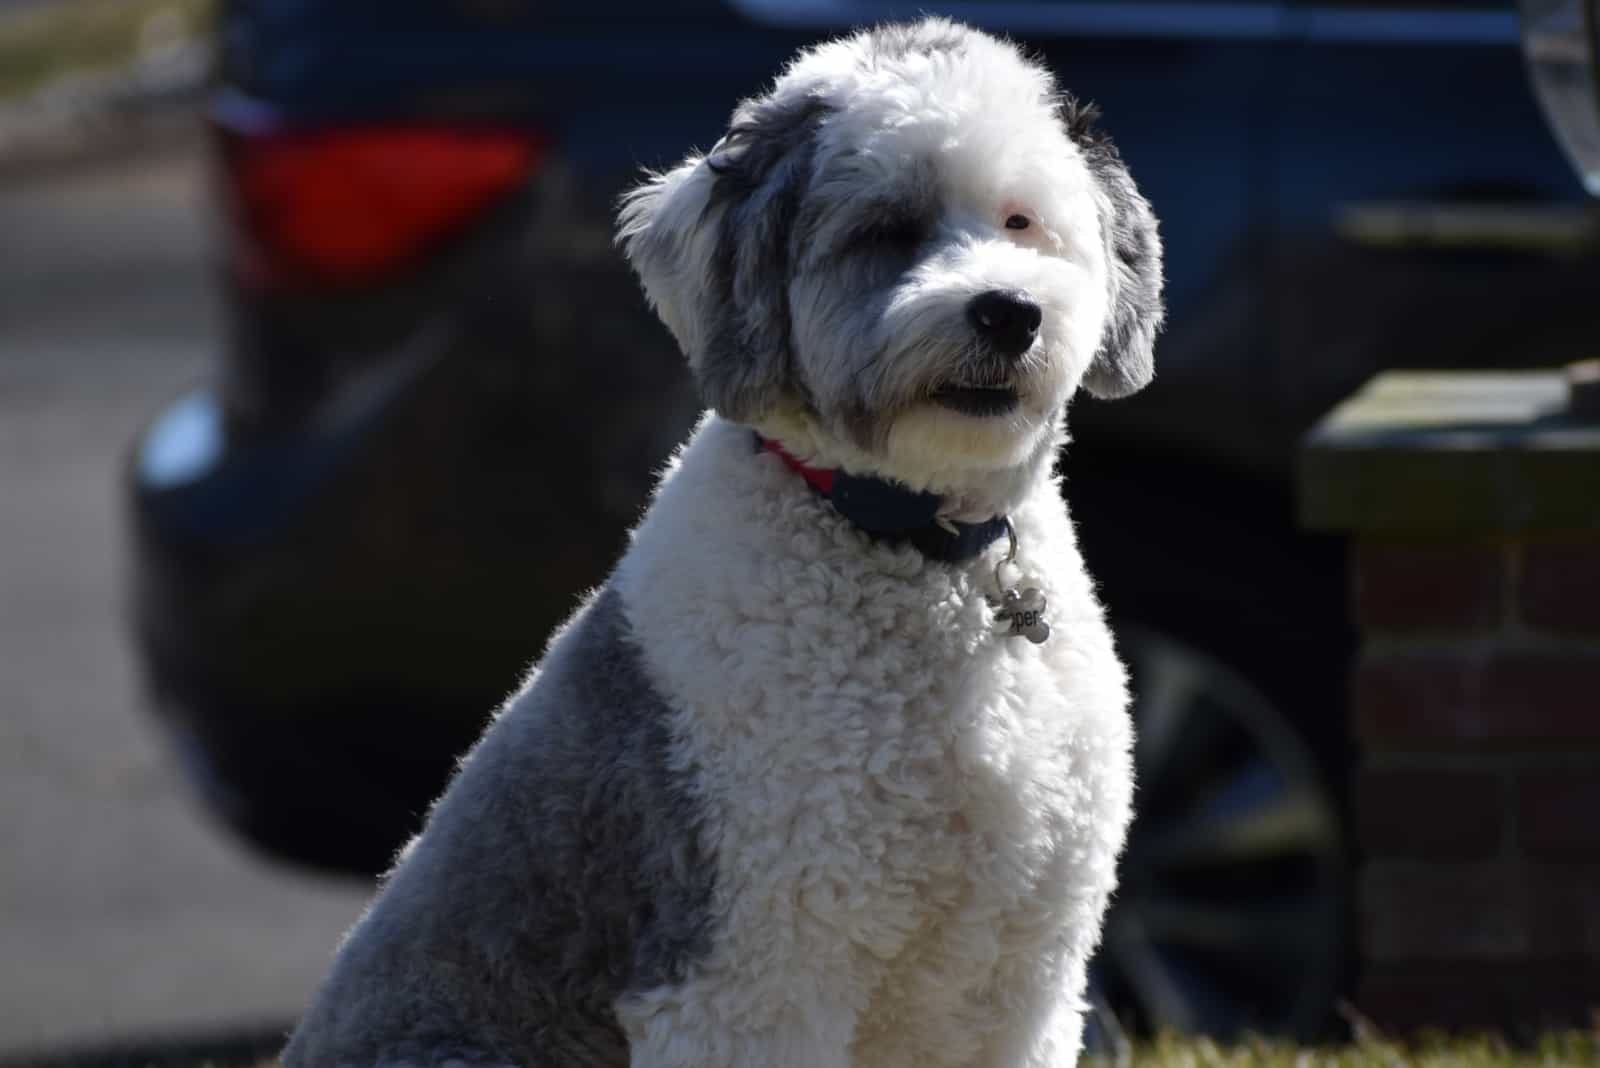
[1021,615]
[1018,614]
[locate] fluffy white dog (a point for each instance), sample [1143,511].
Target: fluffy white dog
[835,769]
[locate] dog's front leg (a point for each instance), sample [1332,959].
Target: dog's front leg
[705,1024]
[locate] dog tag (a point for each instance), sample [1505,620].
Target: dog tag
[1018,613]
[1021,615]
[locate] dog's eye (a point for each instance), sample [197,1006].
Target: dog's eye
[900,233]
[1016,222]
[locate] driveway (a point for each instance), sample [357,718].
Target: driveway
[123,912]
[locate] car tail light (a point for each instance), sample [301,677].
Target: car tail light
[347,206]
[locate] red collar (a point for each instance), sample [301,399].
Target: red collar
[821,478]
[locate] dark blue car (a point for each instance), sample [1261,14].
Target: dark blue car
[442,400]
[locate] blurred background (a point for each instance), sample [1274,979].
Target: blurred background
[323,394]
[124,913]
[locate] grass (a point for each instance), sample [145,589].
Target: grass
[1559,1050]
[1566,1050]
[1573,1049]
[41,42]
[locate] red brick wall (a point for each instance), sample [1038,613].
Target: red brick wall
[1477,801]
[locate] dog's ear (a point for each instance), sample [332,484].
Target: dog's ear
[1125,361]
[663,228]
[710,240]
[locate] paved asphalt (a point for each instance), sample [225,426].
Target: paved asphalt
[123,912]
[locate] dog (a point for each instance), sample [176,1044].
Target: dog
[835,768]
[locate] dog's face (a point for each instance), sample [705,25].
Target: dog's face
[913,245]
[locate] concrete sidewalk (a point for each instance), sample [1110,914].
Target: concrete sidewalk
[123,913]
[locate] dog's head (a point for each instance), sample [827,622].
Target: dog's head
[913,245]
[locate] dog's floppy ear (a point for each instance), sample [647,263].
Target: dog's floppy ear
[710,242]
[1125,361]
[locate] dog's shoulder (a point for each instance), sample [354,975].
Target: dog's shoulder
[564,866]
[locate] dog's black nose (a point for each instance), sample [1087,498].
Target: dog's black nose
[1007,320]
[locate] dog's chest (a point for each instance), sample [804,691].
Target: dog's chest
[902,767]
[965,789]
[921,796]
[913,814]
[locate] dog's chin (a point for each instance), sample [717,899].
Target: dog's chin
[973,429]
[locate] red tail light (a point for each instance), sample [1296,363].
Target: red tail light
[347,206]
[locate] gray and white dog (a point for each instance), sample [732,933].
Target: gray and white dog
[834,770]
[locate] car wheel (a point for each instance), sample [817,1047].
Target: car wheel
[1231,911]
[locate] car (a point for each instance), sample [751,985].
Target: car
[441,401]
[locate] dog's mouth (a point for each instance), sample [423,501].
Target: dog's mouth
[978,400]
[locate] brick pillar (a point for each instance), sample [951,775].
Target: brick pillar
[1473,506]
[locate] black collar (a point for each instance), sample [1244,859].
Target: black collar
[895,513]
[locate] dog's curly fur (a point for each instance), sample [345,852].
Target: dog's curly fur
[779,794]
